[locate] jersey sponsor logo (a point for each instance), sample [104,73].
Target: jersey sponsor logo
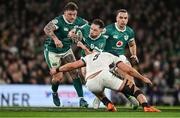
[126,37]
[92,46]
[66,29]
[115,36]
[119,43]
[54,64]
[75,27]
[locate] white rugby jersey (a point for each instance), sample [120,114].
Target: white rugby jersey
[99,61]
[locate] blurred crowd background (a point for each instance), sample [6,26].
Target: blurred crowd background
[156,24]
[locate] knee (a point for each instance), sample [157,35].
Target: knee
[57,77]
[131,89]
[74,74]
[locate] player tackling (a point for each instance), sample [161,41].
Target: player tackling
[98,77]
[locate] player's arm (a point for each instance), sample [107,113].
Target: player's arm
[131,71]
[49,30]
[68,67]
[81,45]
[132,48]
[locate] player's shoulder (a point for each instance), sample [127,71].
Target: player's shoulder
[85,26]
[107,54]
[129,29]
[80,20]
[104,37]
[110,56]
[58,19]
[87,57]
[110,26]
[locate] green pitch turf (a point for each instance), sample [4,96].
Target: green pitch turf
[58,112]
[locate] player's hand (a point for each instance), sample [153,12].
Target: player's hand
[53,71]
[75,38]
[134,59]
[81,45]
[147,81]
[72,34]
[58,43]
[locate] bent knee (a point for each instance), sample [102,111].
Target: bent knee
[74,73]
[57,77]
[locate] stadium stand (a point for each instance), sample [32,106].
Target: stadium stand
[156,24]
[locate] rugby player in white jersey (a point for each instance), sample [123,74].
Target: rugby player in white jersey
[98,77]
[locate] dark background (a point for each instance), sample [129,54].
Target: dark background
[157,32]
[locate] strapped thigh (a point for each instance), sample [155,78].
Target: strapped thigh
[131,89]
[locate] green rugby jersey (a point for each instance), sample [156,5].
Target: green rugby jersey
[97,43]
[117,39]
[63,27]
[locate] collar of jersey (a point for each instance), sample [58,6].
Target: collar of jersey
[119,29]
[66,20]
[94,38]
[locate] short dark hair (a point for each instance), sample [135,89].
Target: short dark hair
[71,6]
[98,22]
[121,10]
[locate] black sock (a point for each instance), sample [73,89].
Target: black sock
[145,104]
[105,101]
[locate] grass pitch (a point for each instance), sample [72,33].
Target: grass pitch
[61,112]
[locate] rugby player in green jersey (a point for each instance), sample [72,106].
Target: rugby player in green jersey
[119,36]
[92,38]
[57,47]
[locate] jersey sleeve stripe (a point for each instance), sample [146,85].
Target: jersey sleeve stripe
[131,39]
[83,61]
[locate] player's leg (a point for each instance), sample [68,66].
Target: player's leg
[109,105]
[132,99]
[83,71]
[95,85]
[130,88]
[53,61]
[96,103]
[111,81]
[69,57]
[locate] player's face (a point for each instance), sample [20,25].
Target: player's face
[95,30]
[70,15]
[122,19]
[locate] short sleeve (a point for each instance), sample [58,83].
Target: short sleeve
[106,32]
[81,21]
[84,60]
[131,35]
[56,22]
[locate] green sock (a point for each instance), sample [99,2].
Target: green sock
[128,96]
[54,86]
[78,86]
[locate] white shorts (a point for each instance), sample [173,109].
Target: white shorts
[124,59]
[103,80]
[54,59]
